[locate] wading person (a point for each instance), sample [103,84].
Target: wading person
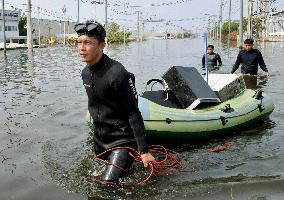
[112,102]
[213,59]
[249,58]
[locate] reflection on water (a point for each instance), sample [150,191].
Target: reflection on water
[250,81]
[211,69]
[255,82]
[45,145]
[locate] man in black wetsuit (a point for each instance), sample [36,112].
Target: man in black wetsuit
[112,101]
[213,58]
[249,58]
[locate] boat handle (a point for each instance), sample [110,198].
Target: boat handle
[155,80]
[260,107]
[168,120]
[258,94]
[227,108]
[223,120]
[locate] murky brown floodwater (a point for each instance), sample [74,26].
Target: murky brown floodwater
[45,145]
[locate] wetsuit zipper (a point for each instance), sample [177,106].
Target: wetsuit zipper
[98,108]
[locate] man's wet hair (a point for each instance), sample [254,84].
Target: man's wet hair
[91,29]
[210,46]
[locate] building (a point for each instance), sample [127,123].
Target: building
[276,24]
[45,27]
[52,27]
[11,24]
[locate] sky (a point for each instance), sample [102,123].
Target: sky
[164,14]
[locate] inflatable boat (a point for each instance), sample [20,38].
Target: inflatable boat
[189,107]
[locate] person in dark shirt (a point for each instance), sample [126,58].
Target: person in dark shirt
[213,58]
[112,102]
[249,58]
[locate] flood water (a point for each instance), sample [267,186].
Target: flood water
[45,146]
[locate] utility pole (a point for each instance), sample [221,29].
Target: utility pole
[241,34]
[138,28]
[124,12]
[264,7]
[96,2]
[143,26]
[214,29]
[64,32]
[106,15]
[221,13]
[217,30]
[29,27]
[78,12]
[68,26]
[257,8]
[38,23]
[213,32]
[229,20]
[3,20]
[95,17]
[249,27]
[267,13]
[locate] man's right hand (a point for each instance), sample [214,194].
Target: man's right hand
[147,158]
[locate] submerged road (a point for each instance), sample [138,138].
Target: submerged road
[45,144]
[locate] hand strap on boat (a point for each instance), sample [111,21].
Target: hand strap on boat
[162,82]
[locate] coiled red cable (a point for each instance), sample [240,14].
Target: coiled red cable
[166,161]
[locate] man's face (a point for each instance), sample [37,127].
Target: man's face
[89,49]
[248,47]
[210,50]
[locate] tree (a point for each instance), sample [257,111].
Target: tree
[114,34]
[256,24]
[234,27]
[23,25]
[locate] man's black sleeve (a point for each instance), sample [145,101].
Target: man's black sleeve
[219,60]
[237,63]
[262,63]
[128,97]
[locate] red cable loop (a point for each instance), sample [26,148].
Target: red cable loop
[163,166]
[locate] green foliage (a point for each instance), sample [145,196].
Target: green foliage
[187,34]
[234,27]
[256,24]
[184,35]
[114,34]
[71,40]
[23,26]
[50,40]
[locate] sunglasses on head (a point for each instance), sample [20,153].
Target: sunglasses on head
[82,27]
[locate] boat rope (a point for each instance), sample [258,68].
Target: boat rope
[166,161]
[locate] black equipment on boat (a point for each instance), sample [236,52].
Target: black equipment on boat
[184,88]
[189,88]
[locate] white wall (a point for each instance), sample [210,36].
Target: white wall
[11,23]
[12,29]
[52,27]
